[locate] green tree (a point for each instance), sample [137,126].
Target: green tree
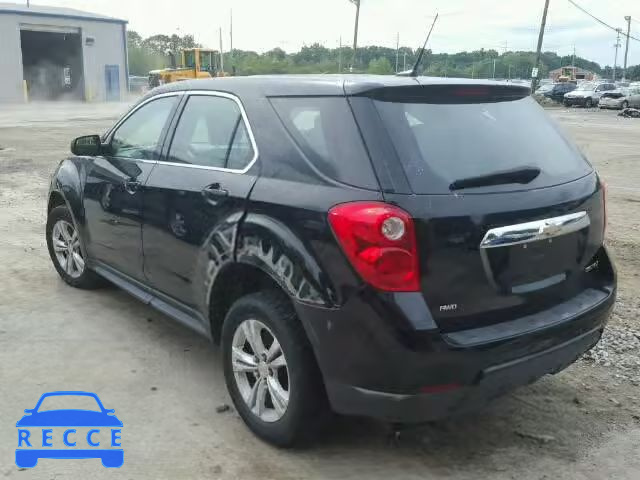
[150,53]
[380,66]
[634,73]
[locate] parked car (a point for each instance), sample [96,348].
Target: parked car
[633,96]
[556,91]
[616,99]
[138,84]
[341,241]
[587,94]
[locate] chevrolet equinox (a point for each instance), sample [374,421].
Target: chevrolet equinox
[401,248]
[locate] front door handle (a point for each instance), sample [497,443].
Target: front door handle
[131,186]
[214,192]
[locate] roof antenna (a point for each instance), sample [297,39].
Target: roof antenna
[414,71]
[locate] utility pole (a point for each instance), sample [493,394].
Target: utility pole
[534,79]
[355,32]
[573,59]
[231,39]
[617,46]
[404,62]
[397,50]
[221,52]
[626,48]
[494,68]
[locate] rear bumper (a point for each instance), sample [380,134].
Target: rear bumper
[379,352]
[610,106]
[578,101]
[492,382]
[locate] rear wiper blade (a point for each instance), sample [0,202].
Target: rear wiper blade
[517,175]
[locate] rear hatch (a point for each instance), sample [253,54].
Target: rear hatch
[508,213]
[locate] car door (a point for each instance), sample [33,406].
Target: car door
[564,88]
[114,186]
[634,98]
[597,92]
[196,196]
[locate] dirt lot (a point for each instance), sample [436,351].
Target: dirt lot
[165,382]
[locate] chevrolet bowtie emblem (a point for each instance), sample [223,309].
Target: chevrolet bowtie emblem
[550,229]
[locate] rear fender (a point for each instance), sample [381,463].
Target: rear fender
[271,246]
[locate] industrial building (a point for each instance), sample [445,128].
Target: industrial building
[51,53]
[572,73]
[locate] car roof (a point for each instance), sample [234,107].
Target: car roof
[298,85]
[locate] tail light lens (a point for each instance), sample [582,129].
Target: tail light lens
[380,242]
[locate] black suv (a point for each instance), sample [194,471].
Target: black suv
[401,248]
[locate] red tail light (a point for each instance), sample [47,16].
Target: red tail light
[380,242]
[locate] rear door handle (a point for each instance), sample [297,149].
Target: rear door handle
[214,192]
[131,186]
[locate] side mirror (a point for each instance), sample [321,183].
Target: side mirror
[28,410]
[88,145]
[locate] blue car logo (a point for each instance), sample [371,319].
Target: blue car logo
[64,433]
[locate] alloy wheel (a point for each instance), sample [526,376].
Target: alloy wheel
[66,246]
[260,370]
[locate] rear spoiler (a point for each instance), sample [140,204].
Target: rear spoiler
[450,93]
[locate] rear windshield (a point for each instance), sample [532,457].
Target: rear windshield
[327,134]
[440,144]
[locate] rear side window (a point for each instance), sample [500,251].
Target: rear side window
[439,144]
[326,132]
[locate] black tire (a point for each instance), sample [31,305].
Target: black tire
[625,104]
[566,103]
[307,405]
[588,103]
[88,279]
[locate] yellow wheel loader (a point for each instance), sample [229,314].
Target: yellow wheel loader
[195,63]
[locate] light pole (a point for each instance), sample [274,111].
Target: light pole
[397,50]
[616,46]
[355,32]
[626,48]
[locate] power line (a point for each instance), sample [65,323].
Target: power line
[598,20]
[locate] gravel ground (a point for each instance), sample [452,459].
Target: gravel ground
[166,383]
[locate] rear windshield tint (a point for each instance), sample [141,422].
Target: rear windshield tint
[326,132]
[439,144]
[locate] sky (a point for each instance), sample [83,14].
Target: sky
[261,25]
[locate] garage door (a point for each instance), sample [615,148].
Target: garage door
[48,28]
